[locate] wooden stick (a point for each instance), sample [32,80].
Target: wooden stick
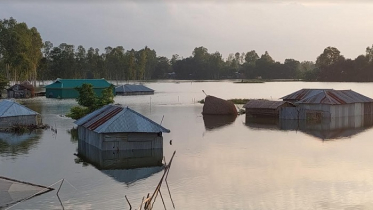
[63,208]
[141,203]
[162,199]
[128,202]
[60,187]
[172,201]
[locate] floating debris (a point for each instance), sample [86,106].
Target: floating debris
[13,191]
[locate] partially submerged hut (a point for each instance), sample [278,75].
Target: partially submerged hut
[65,88]
[265,108]
[13,113]
[127,159]
[128,89]
[327,103]
[23,90]
[218,106]
[113,127]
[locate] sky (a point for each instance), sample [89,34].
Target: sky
[299,30]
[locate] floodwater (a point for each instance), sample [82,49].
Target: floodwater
[220,163]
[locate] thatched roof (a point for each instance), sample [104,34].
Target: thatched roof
[218,106]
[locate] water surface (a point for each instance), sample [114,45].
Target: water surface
[223,163]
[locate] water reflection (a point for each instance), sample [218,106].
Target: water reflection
[329,129]
[12,144]
[124,166]
[218,121]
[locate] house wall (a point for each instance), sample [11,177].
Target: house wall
[90,137]
[19,93]
[306,111]
[68,92]
[120,159]
[120,141]
[135,93]
[347,110]
[7,122]
[265,112]
[368,108]
[53,93]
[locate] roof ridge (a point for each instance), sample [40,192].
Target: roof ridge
[8,107]
[133,111]
[327,96]
[20,105]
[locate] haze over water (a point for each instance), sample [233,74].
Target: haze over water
[219,163]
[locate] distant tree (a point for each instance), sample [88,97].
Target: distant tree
[264,66]
[291,69]
[330,56]
[20,49]
[327,62]
[369,53]
[251,57]
[4,82]
[163,66]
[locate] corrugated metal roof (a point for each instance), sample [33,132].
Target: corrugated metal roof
[132,88]
[72,83]
[335,97]
[10,108]
[116,119]
[302,94]
[264,104]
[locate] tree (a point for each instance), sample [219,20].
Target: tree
[89,102]
[4,82]
[251,57]
[330,56]
[327,62]
[20,49]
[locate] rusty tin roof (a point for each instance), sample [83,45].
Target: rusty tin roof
[264,104]
[302,94]
[335,97]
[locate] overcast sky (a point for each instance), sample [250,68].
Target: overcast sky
[286,29]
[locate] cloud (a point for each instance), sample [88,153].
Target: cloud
[286,29]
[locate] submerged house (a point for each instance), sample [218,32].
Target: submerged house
[265,108]
[12,113]
[65,88]
[326,103]
[113,127]
[127,89]
[23,90]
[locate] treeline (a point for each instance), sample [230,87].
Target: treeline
[24,56]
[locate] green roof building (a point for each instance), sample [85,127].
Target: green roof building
[65,88]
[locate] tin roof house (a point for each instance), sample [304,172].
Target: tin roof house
[12,113]
[326,103]
[23,90]
[113,127]
[65,88]
[128,89]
